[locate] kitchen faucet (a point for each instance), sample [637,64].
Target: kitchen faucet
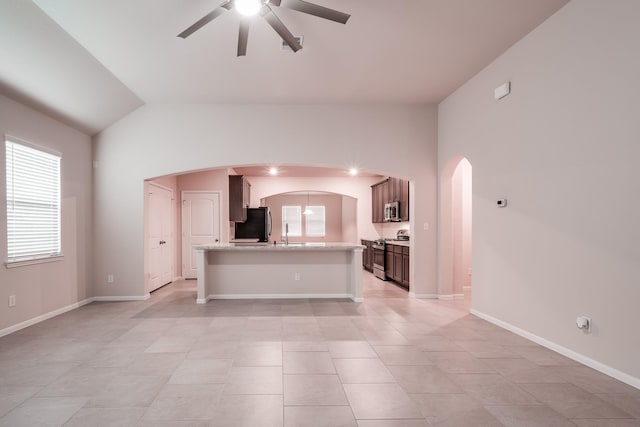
[286,233]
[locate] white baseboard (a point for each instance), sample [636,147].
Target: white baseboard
[38,319]
[278,296]
[121,298]
[451,297]
[598,366]
[423,296]
[54,313]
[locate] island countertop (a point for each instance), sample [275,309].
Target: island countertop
[294,270]
[332,246]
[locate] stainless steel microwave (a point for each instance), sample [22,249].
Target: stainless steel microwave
[392,211]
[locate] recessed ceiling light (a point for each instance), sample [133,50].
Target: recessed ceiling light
[353,171]
[273,171]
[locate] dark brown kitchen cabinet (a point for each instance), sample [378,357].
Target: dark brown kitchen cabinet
[397,264]
[401,187]
[388,262]
[405,267]
[379,196]
[239,197]
[390,190]
[367,255]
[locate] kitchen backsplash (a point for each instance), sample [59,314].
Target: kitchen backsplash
[388,230]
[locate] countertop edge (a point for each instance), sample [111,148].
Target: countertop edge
[280,247]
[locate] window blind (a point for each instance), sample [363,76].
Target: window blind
[33,203]
[292,215]
[315,222]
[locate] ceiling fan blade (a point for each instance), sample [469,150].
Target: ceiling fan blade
[206,19]
[243,37]
[275,2]
[315,10]
[279,28]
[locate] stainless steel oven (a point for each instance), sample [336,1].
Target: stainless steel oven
[379,256]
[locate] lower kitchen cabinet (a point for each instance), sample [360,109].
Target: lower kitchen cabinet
[405,266]
[367,255]
[389,264]
[397,264]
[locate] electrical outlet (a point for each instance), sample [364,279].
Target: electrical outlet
[296,276]
[12,300]
[584,323]
[110,278]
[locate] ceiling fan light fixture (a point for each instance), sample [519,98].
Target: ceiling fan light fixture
[248,7]
[307,210]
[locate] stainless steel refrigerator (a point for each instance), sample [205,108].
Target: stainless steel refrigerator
[257,225]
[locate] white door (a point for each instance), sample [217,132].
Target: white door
[160,223]
[200,226]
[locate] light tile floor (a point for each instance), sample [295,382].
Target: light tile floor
[388,362]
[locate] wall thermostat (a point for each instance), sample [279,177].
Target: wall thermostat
[501,203]
[503,90]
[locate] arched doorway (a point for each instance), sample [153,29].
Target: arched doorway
[455,273]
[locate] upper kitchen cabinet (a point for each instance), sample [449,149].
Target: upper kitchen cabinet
[400,193]
[388,191]
[379,196]
[239,197]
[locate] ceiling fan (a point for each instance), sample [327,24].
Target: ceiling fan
[249,8]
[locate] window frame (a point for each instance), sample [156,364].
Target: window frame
[313,209]
[33,258]
[299,215]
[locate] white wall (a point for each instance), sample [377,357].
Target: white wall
[350,220]
[564,149]
[158,140]
[44,288]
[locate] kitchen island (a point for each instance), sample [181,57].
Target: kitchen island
[294,270]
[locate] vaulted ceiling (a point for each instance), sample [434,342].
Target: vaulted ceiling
[89,63]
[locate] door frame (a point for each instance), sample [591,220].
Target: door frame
[182,221]
[172,242]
